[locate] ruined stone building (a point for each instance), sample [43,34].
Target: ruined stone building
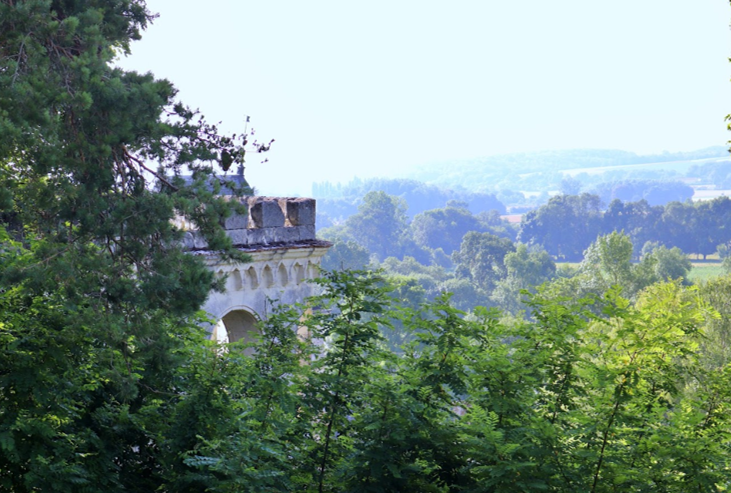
[279,235]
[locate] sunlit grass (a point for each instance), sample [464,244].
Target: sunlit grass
[700,271]
[703,271]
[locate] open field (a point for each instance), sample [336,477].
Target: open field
[702,271]
[679,166]
[699,194]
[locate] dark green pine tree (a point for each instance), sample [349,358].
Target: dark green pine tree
[97,299]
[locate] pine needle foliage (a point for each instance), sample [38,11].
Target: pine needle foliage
[98,300]
[108,383]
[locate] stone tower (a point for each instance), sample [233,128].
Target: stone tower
[279,234]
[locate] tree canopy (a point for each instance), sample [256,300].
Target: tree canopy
[692,227]
[98,323]
[548,225]
[109,384]
[573,401]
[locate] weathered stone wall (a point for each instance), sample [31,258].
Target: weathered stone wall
[279,235]
[274,277]
[269,221]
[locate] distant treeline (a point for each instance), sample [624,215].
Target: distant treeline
[336,201]
[717,173]
[654,192]
[579,158]
[568,224]
[516,184]
[542,171]
[409,218]
[382,229]
[477,258]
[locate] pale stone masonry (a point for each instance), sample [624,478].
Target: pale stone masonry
[279,234]
[270,221]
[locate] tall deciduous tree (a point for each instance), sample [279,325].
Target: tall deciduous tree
[379,224]
[527,268]
[444,228]
[609,259]
[480,258]
[565,226]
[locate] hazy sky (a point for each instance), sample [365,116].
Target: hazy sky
[376,88]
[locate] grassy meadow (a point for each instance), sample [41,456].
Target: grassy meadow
[701,270]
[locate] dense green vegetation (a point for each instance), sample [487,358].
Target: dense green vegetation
[610,376]
[98,301]
[476,257]
[383,229]
[696,228]
[574,401]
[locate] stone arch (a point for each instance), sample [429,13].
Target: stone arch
[313,270]
[267,277]
[252,278]
[298,272]
[237,281]
[282,276]
[278,234]
[240,325]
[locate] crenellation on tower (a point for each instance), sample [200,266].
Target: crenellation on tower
[269,221]
[279,235]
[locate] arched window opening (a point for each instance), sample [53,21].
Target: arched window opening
[252,277]
[236,280]
[240,325]
[313,270]
[282,276]
[267,277]
[299,273]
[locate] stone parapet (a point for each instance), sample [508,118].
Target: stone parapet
[265,212]
[269,221]
[298,211]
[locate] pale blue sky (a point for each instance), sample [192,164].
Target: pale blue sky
[376,88]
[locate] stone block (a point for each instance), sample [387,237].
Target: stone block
[257,237]
[282,235]
[239,237]
[236,221]
[306,233]
[200,242]
[265,212]
[189,240]
[299,211]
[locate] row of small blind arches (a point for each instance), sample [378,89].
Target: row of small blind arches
[253,280]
